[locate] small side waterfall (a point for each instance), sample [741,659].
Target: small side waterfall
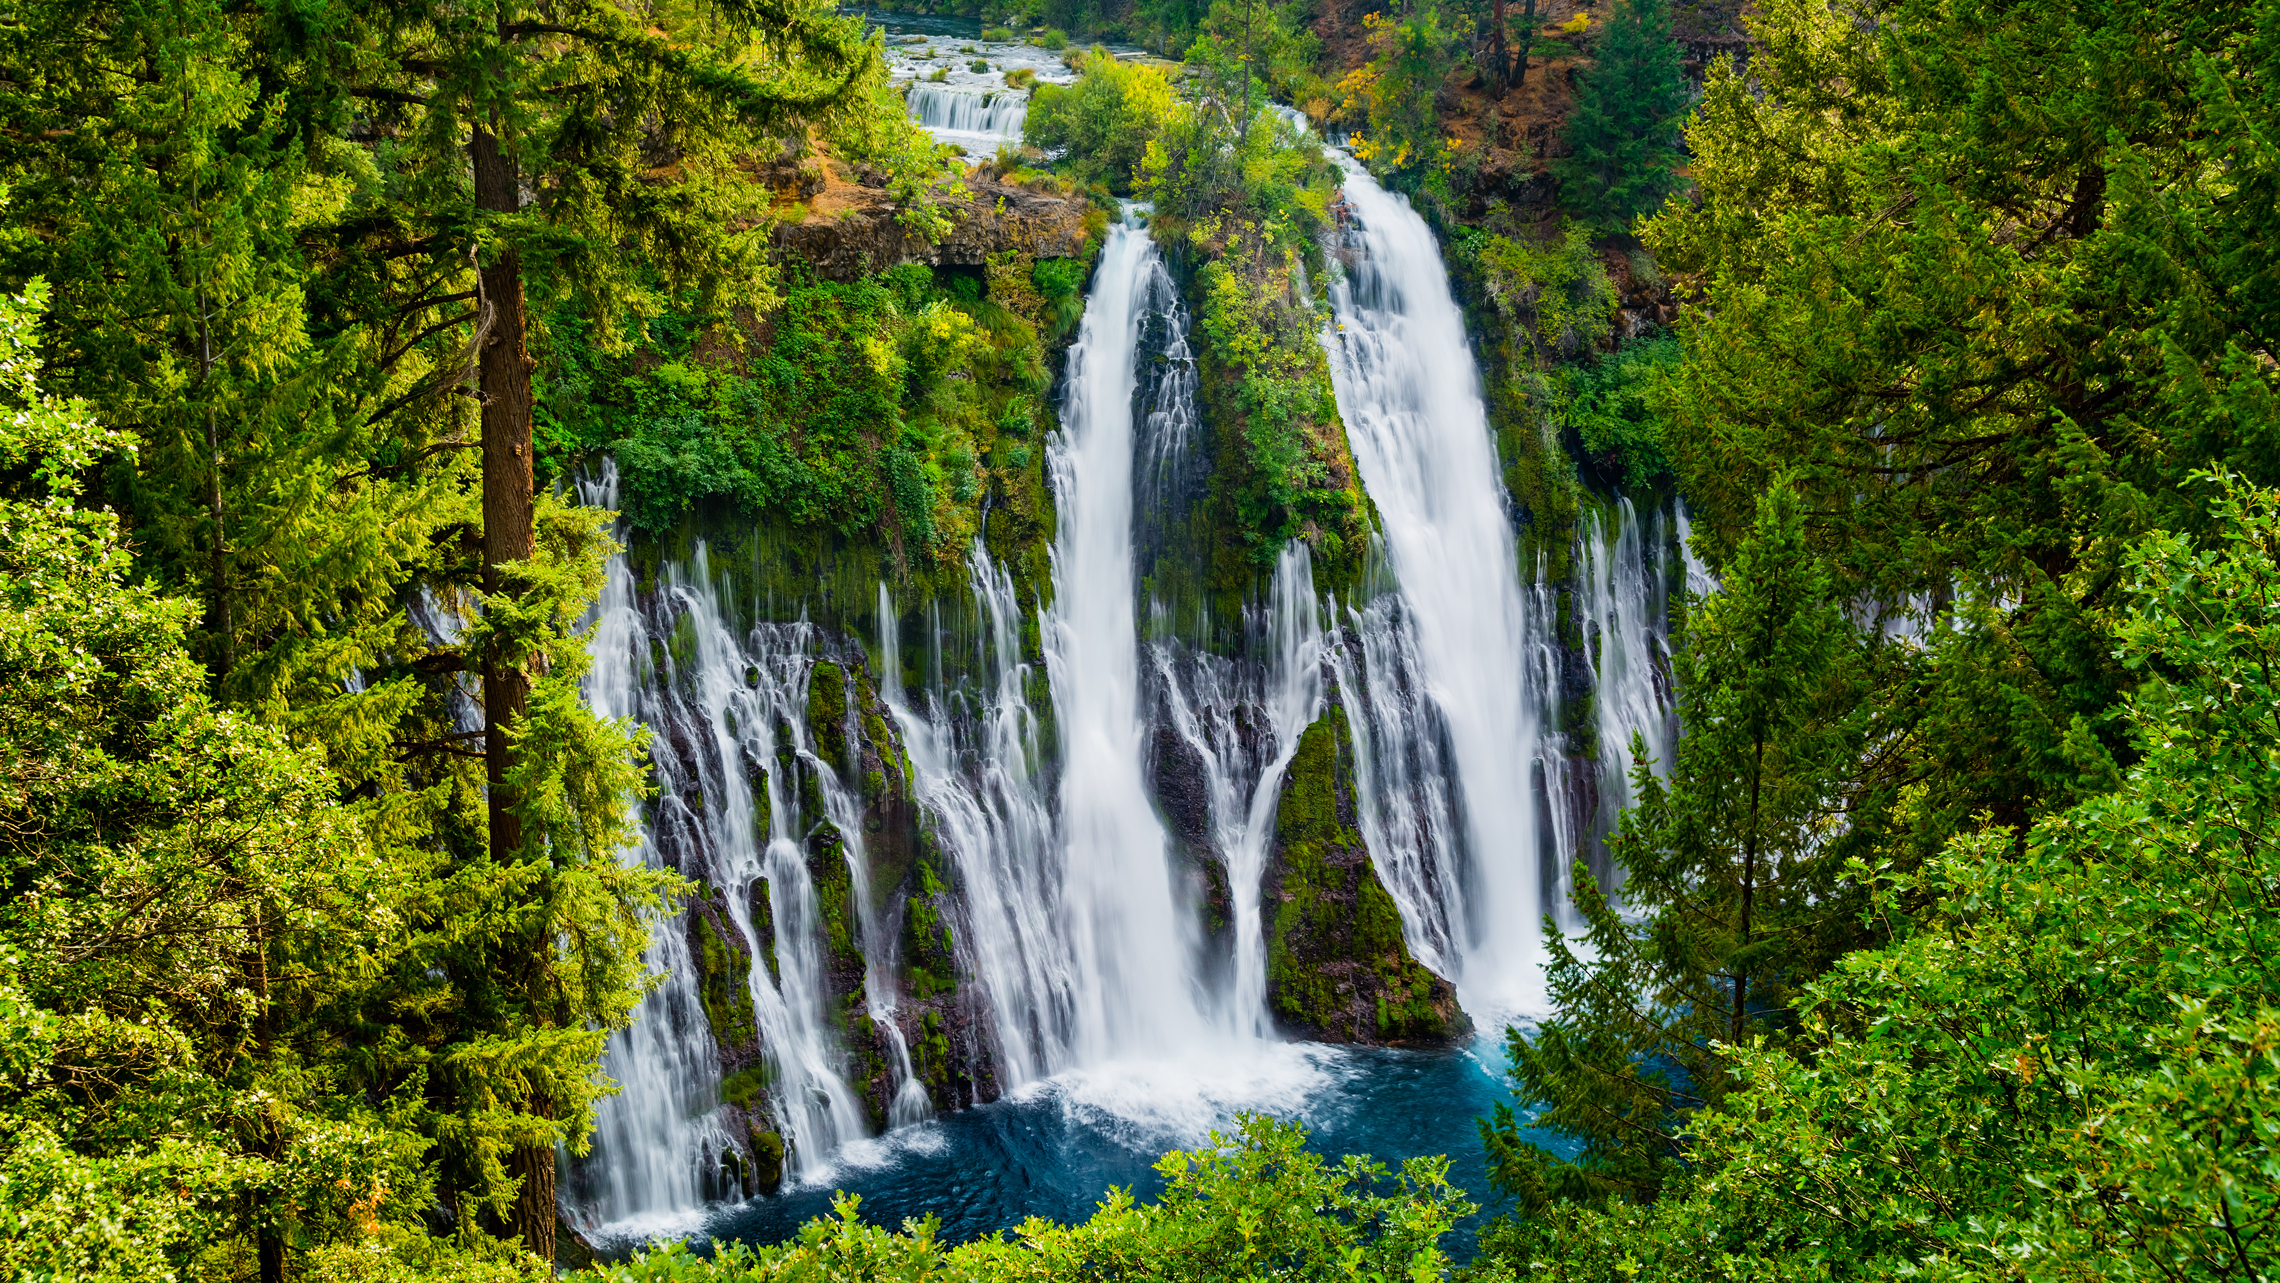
[1622,604]
[980,769]
[1404,791]
[1213,705]
[1419,428]
[658,1139]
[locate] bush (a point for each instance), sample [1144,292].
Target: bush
[1052,38]
[1610,404]
[997,35]
[1105,120]
[1253,1205]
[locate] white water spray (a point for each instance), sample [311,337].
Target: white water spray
[1414,414]
[1135,991]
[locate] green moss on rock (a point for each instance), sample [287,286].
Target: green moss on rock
[1338,969]
[722,987]
[827,713]
[767,1160]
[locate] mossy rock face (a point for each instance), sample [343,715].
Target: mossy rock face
[723,967]
[1337,967]
[767,1169]
[827,713]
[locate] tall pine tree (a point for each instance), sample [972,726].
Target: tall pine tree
[1621,137]
[1732,885]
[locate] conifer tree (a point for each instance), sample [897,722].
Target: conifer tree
[1732,889]
[1625,123]
[602,145]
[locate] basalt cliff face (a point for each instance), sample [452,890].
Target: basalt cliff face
[850,227]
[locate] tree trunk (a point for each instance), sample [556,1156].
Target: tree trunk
[504,367]
[1503,69]
[1527,42]
[534,1202]
[1749,889]
[218,571]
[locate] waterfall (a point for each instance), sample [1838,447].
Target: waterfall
[1134,987]
[1621,605]
[1212,708]
[997,112]
[1402,779]
[1411,399]
[978,762]
[659,1140]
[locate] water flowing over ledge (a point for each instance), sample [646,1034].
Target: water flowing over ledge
[1091,825]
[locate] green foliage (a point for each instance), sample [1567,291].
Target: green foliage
[1249,53]
[1625,122]
[1984,421]
[1254,1205]
[1732,882]
[1389,99]
[2062,1065]
[1294,465]
[1105,120]
[1613,406]
[870,411]
[197,926]
[1559,289]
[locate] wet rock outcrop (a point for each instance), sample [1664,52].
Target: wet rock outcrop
[1337,967]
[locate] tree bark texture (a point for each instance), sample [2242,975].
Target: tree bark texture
[503,371]
[504,368]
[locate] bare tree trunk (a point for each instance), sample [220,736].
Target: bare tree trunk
[1503,74]
[504,369]
[1527,41]
[504,372]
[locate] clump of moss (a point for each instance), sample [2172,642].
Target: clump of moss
[722,988]
[767,1159]
[743,1088]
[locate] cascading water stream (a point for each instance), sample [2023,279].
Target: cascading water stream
[978,777]
[1412,404]
[995,113]
[1620,605]
[1243,772]
[741,703]
[658,1137]
[1403,793]
[1134,990]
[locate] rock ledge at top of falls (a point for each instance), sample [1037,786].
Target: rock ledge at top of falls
[850,229]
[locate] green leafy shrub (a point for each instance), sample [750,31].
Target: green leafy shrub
[867,411]
[1253,1205]
[1052,38]
[1611,405]
[1388,101]
[1105,120]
